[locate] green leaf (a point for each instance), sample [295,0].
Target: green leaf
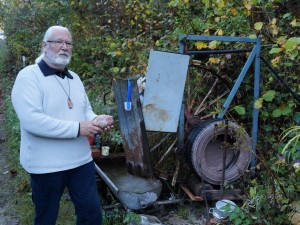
[276,50]
[242,216]
[213,44]
[297,117]
[286,111]
[276,113]
[115,69]
[233,216]
[253,36]
[258,25]
[240,110]
[283,208]
[269,95]
[238,221]
[113,54]
[268,128]
[292,43]
[294,54]
[287,15]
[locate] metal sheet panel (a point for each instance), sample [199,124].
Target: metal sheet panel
[166,75]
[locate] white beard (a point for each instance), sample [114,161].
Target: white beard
[57,59]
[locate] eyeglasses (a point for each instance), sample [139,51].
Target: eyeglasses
[61,43]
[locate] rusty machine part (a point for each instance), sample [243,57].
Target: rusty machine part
[205,146]
[197,186]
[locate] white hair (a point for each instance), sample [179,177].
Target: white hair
[46,38]
[41,56]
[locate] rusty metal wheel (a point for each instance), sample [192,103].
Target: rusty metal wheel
[205,146]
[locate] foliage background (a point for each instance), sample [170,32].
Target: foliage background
[113,38]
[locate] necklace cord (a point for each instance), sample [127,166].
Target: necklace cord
[63,87]
[69,102]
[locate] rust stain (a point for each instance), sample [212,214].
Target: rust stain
[160,114]
[157,115]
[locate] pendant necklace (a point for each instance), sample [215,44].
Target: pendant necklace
[69,102]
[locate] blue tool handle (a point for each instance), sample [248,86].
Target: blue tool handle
[128,103]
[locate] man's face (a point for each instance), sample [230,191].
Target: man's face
[58,49]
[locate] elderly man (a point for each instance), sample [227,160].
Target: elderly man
[55,119]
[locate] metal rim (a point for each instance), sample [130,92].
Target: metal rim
[205,153]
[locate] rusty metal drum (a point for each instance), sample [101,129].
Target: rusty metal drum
[205,147]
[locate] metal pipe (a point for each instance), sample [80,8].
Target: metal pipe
[225,143]
[239,80]
[167,202]
[210,52]
[184,37]
[106,179]
[255,111]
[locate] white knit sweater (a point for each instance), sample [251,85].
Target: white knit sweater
[49,129]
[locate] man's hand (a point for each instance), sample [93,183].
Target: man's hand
[106,122]
[101,123]
[88,128]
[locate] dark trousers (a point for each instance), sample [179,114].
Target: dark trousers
[47,190]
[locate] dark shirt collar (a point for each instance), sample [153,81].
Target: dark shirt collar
[47,70]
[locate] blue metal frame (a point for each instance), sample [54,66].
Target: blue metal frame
[253,57]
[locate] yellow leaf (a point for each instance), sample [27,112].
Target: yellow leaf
[201,45]
[119,52]
[214,60]
[136,17]
[258,25]
[186,1]
[276,60]
[220,32]
[221,3]
[247,6]
[274,31]
[72,3]
[233,11]
[258,103]
[217,19]
[294,23]
[273,21]
[157,43]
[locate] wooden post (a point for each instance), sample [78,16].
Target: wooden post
[133,129]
